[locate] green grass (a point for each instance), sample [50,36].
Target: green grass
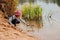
[32,12]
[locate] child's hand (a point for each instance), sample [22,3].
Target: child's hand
[27,24]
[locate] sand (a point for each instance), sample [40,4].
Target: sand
[8,32]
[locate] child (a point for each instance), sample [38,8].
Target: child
[16,19]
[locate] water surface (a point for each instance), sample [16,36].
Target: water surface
[51,26]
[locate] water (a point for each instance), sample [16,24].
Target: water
[51,26]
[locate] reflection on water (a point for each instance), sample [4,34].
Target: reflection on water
[23,1]
[51,27]
[58,1]
[47,1]
[36,24]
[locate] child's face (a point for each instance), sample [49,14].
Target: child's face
[17,16]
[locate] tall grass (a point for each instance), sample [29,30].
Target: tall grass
[32,12]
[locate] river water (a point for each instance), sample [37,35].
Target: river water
[51,25]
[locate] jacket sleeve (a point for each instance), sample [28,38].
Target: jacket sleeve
[23,21]
[10,19]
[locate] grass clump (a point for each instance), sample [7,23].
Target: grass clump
[32,12]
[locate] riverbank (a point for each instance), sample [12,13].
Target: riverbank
[7,32]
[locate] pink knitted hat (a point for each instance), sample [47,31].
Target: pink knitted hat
[18,13]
